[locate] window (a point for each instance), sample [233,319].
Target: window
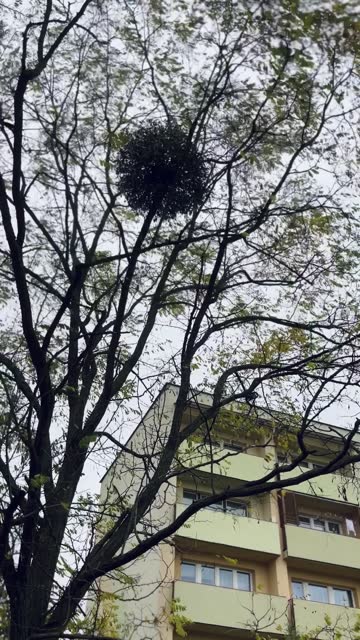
[317,465]
[243,580]
[304,521]
[217,506]
[334,527]
[319,524]
[226,578]
[207,574]
[343,597]
[237,508]
[231,506]
[188,571]
[215,576]
[304,464]
[189,497]
[318,593]
[234,446]
[298,590]
[322,593]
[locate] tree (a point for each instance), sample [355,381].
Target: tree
[246,291]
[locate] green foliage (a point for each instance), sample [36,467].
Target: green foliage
[38,481]
[161,170]
[264,97]
[103,619]
[177,618]
[86,440]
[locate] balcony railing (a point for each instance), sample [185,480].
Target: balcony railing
[322,546]
[224,462]
[233,609]
[323,620]
[259,536]
[333,486]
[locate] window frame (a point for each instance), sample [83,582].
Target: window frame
[330,591]
[221,506]
[285,458]
[239,505]
[326,521]
[188,563]
[218,568]
[310,464]
[194,493]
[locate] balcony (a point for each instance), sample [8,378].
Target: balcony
[258,536]
[230,608]
[333,486]
[310,618]
[321,546]
[241,466]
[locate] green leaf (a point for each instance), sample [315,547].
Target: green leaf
[86,440]
[38,481]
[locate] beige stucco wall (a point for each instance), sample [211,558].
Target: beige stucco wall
[150,598]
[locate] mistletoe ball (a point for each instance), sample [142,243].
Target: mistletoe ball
[161,171]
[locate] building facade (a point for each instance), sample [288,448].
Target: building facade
[282,562]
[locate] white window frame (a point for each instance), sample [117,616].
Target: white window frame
[190,491]
[199,565]
[193,564]
[284,458]
[308,464]
[326,521]
[330,590]
[219,506]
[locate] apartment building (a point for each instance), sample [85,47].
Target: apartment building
[283,560]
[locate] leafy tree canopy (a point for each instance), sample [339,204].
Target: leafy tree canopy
[250,294]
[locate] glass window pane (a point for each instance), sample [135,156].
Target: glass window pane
[218,506]
[304,521]
[334,527]
[343,597]
[319,524]
[207,574]
[226,578]
[234,446]
[236,508]
[189,497]
[297,589]
[188,571]
[318,593]
[243,580]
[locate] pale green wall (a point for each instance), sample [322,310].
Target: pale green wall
[242,466]
[232,608]
[323,547]
[236,531]
[330,486]
[311,615]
